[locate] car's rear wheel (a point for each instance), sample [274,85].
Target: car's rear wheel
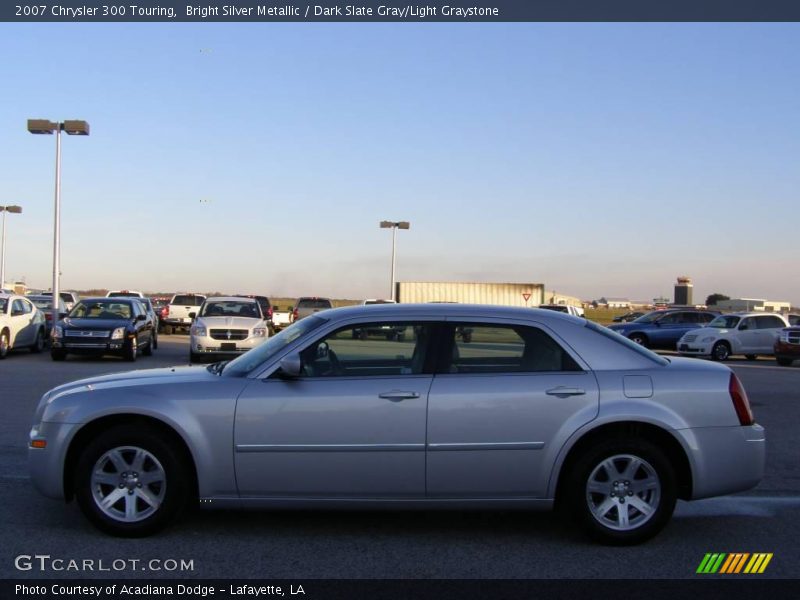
[131,482]
[721,351]
[38,343]
[784,361]
[622,491]
[639,338]
[750,356]
[5,344]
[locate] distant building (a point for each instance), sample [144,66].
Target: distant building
[683,291]
[753,304]
[615,302]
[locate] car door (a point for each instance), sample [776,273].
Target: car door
[503,401]
[352,425]
[749,335]
[23,325]
[770,328]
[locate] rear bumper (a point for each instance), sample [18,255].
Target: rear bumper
[725,460]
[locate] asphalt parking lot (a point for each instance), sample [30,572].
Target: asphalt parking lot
[392,544]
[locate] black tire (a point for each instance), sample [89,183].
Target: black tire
[5,344]
[639,338]
[584,505]
[164,465]
[148,349]
[721,351]
[155,340]
[750,356]
[131,352]
[168,330]
[58,354]
[38,343]
[784,361]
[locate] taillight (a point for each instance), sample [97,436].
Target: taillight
[269,312]
[294,313]
[48,316]
[165,311]
[740,401]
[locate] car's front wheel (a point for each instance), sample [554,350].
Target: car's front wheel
[622,491]
[131,482]
[784,361]
[132,350]
[721,351]
[5,344]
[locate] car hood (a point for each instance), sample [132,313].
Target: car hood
[140,377]
[99,324]
[706,331]
[230,322]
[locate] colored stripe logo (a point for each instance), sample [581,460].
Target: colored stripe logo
[734,563]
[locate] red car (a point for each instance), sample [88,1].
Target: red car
[787,346]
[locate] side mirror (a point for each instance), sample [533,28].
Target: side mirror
[140,318]
[192,315]
[743,326]
[290,366]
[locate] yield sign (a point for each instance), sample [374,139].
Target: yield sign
[526,295]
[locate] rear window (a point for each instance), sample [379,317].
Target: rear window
[314,303]
[188,300]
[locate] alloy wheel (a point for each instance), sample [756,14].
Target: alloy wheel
[623,492]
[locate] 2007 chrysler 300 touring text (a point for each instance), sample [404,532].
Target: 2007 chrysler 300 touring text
[534,409]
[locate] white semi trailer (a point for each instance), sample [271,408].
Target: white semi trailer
[504,294]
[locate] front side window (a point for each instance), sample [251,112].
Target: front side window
[748,323]
[20,307]
[481,348]
[368,349]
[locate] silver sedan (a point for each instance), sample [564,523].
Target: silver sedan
[531,409]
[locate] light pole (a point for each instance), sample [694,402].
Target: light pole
[4,210]
[394,226]
[74,127]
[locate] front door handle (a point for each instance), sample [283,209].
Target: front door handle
[563,391]
[397,396]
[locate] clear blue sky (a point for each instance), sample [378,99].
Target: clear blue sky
[599,159]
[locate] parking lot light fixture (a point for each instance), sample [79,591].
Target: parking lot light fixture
[5,209]
[72,127]
[394,226]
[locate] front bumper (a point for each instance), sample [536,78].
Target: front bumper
[96,347]
[725,460]
[208,345]
[46,465]
[694,348]
[785,350]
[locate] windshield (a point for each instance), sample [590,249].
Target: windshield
[101,309]
[725,322]
[231,308]
[250,360]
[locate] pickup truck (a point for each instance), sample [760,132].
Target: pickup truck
[177,314]
[309,305]
[282,318]
[570,310]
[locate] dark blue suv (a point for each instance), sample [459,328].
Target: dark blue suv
[663,328]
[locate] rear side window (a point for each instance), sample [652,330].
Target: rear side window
[188,300]
[482,348]
[770,322]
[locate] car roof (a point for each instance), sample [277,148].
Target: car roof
[752,314]
[251,299]
[442,310]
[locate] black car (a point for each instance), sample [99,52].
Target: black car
[99,326]
[152,315]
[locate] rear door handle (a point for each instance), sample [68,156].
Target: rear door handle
[397,396]
[562,391]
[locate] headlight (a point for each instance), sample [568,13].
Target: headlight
[707,340]
[784,336]
[118,333]
[58,331]
[259,332]
[199,331]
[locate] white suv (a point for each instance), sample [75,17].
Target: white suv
[227,325]
[748,333]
